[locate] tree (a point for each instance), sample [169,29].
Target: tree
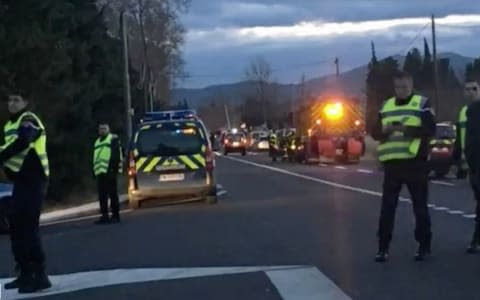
[59,55]
[379,85]
[413,65]
[426,79]
[258,73]
[156,37]
[472,70]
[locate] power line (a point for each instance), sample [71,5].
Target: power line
[414,39]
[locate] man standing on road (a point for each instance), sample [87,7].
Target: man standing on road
[272,145]
[471,94]
[472,152]
[107,161]
[406,123]
[24,158]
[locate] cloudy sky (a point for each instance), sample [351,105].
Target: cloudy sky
[304,36]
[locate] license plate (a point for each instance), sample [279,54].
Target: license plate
[236,144]
[339,151]
[172,177]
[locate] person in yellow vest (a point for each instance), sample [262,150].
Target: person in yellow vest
[24,158]
[459,148]
[471,143]
[107,162]
[406,124]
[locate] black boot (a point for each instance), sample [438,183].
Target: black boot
[423,252]
[382,254]
[36,281]
[115,218]
[21,278]
[474,246]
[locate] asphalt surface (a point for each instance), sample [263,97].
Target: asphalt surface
[278,214]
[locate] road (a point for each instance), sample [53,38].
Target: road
[280,231]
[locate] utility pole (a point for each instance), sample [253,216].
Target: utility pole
[126,80]
[435,66]
[227,117]
[337,68]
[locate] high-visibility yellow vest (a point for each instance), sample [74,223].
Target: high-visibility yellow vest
[10,131]
[398,146]
[272,139]
[462,122]
[103,153]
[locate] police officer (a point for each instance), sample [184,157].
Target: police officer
[24,157]
[272,145]
[472,152]
[107,161]
[406,123]
[471,94]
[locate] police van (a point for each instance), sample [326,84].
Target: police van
[171,160]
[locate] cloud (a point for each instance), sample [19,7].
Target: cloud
[449,25]
[224,35]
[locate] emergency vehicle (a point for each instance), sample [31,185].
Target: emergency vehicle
[441,149]
[171,160]
[334,130]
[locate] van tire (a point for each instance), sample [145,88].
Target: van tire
[211,200]
[133,204]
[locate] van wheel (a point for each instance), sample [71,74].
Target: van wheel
[134,204]
[244,152]
[211,199]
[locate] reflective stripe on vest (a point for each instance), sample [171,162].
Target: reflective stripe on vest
[462,122]
[10,132]
[397,146]
[102,154]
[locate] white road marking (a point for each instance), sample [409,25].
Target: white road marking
[219,186]
[323,165]
[340,167]
[221,193]
[329,183]
[218,153]
[442,183]
[326,182]
[455,212]
[305,284]
[311,283]
[365,171]
[469,216]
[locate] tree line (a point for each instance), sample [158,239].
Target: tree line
[448,102]
[65,57]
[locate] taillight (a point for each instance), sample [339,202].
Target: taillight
[210,160]
[132,167]
[226,142]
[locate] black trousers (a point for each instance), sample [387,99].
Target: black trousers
[107,188]
[475,183]
[415,177]
[26,204]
